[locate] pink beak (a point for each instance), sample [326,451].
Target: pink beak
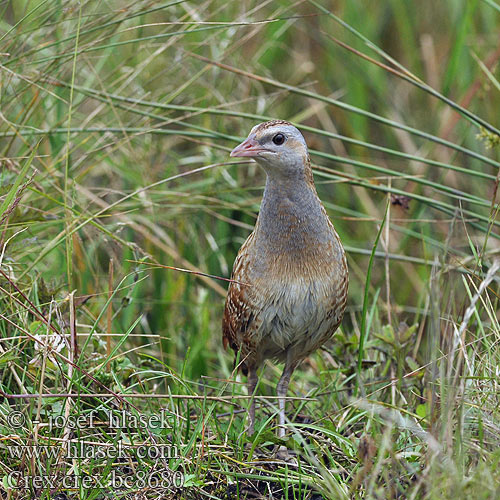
[249,147]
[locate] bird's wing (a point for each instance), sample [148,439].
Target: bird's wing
[238,312]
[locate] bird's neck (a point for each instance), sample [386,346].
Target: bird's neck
[291,217]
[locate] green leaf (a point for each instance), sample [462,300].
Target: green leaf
[8,356]
[422,410]
[387,335]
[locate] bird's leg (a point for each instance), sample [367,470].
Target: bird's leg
[252,384]
[281,391]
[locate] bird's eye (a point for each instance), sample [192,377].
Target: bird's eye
[279,139]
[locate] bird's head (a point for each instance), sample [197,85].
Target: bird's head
[278,147]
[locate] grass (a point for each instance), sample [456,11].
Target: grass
[120,209]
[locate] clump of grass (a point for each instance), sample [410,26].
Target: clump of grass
[116,124]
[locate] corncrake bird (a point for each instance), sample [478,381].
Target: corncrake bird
[290,276]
